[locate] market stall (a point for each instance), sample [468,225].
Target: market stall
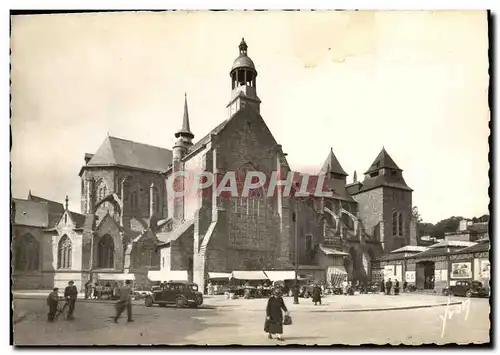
[218,283]
[108,284]
[250,284]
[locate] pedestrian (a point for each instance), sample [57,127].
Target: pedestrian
[382,286]
[345,284]
[274,315]
[388,286]
[52,302]
[88,289]
[396,287]
[125,302]
[405,286]
[71,294]
[316,295]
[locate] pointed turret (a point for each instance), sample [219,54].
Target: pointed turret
[383,160]
[355,177]
[332,165]
[185,131]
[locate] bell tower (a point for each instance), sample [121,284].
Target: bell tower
[243,82]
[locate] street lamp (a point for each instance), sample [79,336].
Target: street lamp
[296,287]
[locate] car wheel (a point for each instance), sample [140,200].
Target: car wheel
[148,301]
[179,302]
[468,293]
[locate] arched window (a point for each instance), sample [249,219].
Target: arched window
[101,191]
[106,253]
[133,200]
[27,253]
[400,224]
[156,200]
[64,253]
[394,223]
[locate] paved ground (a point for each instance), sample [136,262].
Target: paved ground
[223,322]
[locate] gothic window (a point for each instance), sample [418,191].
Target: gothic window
[308,243]
[64,253]
[156,200]
[27,251]
[106,252]
[148,257]
[101,191]
[133,200]
[400,224]
[394,223]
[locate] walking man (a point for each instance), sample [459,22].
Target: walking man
[125,302]
[52,302]
[388,287]
[71,293]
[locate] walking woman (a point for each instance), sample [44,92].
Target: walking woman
[274,315]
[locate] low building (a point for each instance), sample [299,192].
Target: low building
[439,265]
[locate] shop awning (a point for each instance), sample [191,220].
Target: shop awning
[335,270]
[219,275]
[249,275]
[280,275]
[331,251]
[115,277]
[163,276]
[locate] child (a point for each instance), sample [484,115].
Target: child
[52,301]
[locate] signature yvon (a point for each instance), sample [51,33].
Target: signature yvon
[449,312]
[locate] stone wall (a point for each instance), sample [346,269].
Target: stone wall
[396,200]
[371,210]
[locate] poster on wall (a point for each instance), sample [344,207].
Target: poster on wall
[484,269]
[461,271]
[410,276]
[437,275]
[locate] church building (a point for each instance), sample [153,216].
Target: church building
[131,224]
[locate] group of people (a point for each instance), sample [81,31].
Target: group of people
[93,290]
[388,287]
[124,293]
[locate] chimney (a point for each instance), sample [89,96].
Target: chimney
[88,156]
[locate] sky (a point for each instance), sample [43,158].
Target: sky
[415,83]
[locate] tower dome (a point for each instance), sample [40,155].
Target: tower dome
[243,82]
[243,61]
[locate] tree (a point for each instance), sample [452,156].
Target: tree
[416,214]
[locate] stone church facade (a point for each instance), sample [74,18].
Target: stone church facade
[131,223]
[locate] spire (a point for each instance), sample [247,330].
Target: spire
[29,195]
[66,203]
[355,177]
[243,47]
[383,160]
[185,131]
[332,165]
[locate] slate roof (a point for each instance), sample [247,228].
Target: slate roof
[121,152]
[31,213]
[478,248]
[332,165]
[383,160]
[40,212]
[166,237]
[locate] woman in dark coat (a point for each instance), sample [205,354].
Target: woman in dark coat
[274,315]
[316,295]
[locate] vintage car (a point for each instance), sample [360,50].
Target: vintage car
[180,293]
[466,288]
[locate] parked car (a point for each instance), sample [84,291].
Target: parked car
[180,293]
[140,294]
[467,289]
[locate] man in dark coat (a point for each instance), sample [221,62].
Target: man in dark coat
[274,315]
[388,286]
[316,295]
[71,293]
[52,302]
[396,287]
[125,302]
[405,286]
